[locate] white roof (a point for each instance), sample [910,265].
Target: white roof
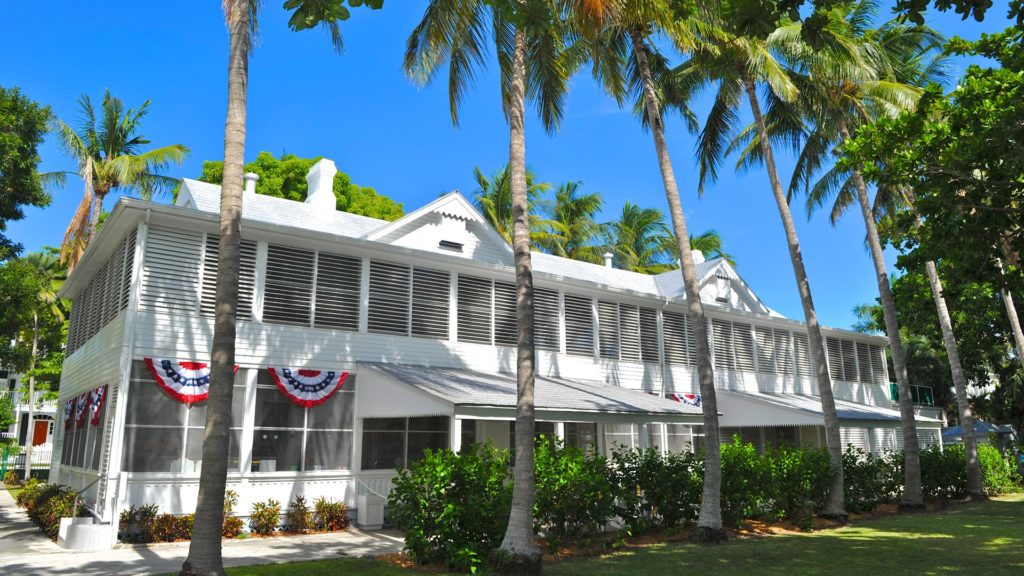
[758,409]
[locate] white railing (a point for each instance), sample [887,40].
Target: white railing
[41,404]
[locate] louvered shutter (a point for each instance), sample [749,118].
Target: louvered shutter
[110,292]
[877,365]
[288,287]
[474,304]
[170,271]
[783,352]
[691,340]
[579,326]
[608,329]
[389,298]
[802,354]
[629,332]
[505,313]
[545,319]
[246,277]
[863,363]
[849,361]
[722,337]
[649,335]
[430,303]
[835,358]
[744,342]
[674,328]
[128,271]
[338,280]
[765,349]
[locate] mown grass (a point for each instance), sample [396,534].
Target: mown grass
[984,538]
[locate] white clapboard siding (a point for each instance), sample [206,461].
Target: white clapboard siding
[743,340]
[430,303]
[338,279]
[649,351]
[474,309]
[546,319]
[579,326]
[170,271]
[96,362]
[246,277]
[608,329]
[389,298]
[505,313]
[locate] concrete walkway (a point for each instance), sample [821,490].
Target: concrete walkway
[24,550]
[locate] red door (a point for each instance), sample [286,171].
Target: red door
[39,434]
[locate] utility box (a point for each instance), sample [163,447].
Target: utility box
[371,512]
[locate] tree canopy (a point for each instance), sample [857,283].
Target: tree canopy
[23,124]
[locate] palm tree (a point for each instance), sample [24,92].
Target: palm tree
[109,152]
[710,244]
[571,230]
[841,89]
[640,240]
[493,198]
[626,62]
[530,40]
[241,16]
[736,51]
[50,275]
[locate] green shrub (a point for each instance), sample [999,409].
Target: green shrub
[299,517]
[999,472]
[943,472]
[574,497]
[864,480]
[452,507]
[330,515]
[12,478]
[264,517]
[165,528]
[29,492]
[52,503]
[232,525]
[655,491]
[136,524]
[800,482]
[745,481]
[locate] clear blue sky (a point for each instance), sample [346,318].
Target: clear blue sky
[358,109]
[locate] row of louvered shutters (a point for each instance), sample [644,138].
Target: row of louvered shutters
[105,295]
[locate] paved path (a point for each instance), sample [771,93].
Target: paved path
[24,550]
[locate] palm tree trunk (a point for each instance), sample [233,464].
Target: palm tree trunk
[709,523]
[912,492]
[975,484]
[32,397]
[94,217]
[835,507]
[519,553]
[204,553]
[1011,314]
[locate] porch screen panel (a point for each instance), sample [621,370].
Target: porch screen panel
[170,271]
[629,332]
[288,287]
[835,358]
[546,319]
[649,351]
[608,329]
[338,280]
[744,342]
[474,309]
[863,363]
[430,303]
[877,365]
[802,354]
[388,311]
[393,443]
[674,328]
[783,352]
[765,349]
[505,313]
[849,361]
[579,326]
[246,277]
[722,335]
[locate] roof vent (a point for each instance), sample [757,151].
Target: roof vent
[250,182]
[698,256]
[320,180]
[608,259]
[449,245]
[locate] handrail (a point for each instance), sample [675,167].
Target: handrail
[80,492]
[370,490]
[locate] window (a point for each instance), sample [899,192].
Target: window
[291,438]
[629,332]
[849,361]
[395,442]
[802,354]
[835,358]
[468,434]
[164,435]
[877,365]
[546,319]
[579,326]
[649,351]
[430,303]
[474,307]
[744,342]
[765,349]
[608,329]
[338,280]
[170,271]
[674,328]
[722,334]
[618,437]
[864,362]
[783,352]
[246,277]
[505,314]
[582,435]
[288,292]
[408,301]
[105,295]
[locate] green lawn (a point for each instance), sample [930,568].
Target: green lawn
[984,538]
[13,491]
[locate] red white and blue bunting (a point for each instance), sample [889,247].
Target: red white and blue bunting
[307,387]
[69,408]
[686,398]
[81,403]
[97,396]
[186,382]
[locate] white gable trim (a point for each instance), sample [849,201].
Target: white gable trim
[452,205]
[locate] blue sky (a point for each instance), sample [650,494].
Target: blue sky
[358,109]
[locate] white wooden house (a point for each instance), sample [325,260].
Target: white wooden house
[420,313]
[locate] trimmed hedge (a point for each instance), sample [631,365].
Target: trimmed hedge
[46,504]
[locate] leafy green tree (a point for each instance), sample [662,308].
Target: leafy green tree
[571,229]
[285,177]
[242,18]
[22,128]
[493,198]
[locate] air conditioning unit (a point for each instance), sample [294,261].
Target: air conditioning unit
[371,512]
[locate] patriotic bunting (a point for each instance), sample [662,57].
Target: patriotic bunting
[68,410]
[686,398]
[81,403]
[186,382]
[307,387]
[96,398]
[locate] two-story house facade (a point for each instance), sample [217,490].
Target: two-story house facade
[363,342]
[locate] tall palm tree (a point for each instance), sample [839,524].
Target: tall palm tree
[861,75]
[640,240]
[530,37]
[627,63]
[109,152]
[242,19]
[493,198]
[736,52]
[571,229]
[50,275]
[710,244]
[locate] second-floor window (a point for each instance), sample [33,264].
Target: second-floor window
[408,301]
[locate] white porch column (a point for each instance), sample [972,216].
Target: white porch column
[455,434]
